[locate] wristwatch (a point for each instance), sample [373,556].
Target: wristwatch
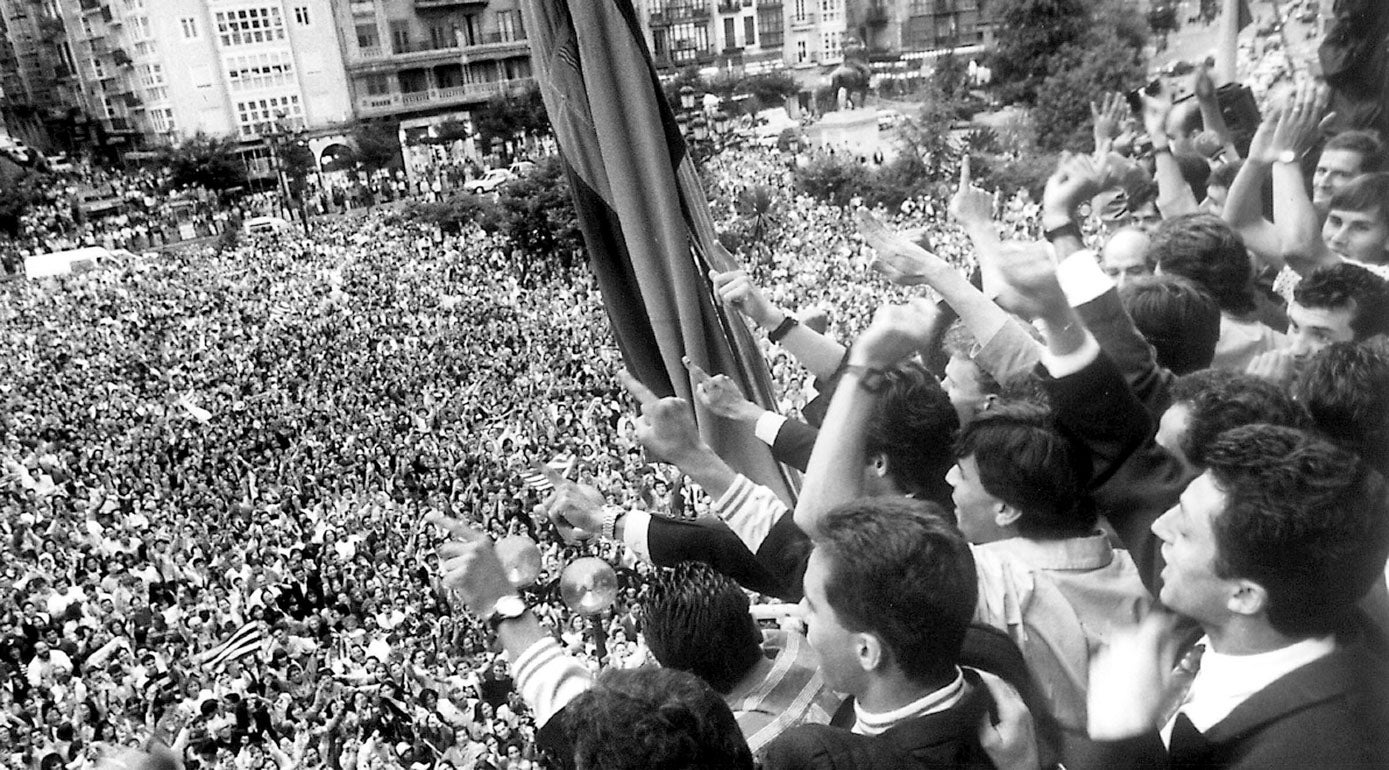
[509,607]
[1287,156]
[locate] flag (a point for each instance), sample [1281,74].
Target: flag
[245,642]
[533,478]
[643,214]
[196,412]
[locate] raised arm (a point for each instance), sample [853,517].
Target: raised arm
[1294,217]
[1175,196]
[1244,205]
[835,472]
[820,355]
[1211,117]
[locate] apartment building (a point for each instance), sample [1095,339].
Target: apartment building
[41,103]
[910,29]
[745,36]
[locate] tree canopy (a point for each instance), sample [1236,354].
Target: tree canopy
[207,161]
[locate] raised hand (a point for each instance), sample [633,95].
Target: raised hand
[898,259]
[1201,83]
[1028,285]
[666,426]
[1156,108]
[721,395]
[575,509]
[897,332]
[738,291]
[971,205]
[1131,677]
[469,565]
[1011,741]
[1277,366]
[1301,121]
[1077,178]
[1108,116]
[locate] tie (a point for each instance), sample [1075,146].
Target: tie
[1182,676]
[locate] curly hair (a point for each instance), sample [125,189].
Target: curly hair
[921,612]
[1345,388]
[1205,250]
[697,619]
[653,718]
[912,424]
[1346,285]
[1220,399]
[1027,463]
[1306,520]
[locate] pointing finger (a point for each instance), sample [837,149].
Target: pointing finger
[452,526]
[964,173]
[551,475]
[697,373]
[644,395]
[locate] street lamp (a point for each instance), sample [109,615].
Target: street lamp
[687,97]
[280,135]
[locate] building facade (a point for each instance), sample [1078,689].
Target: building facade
[413,59]
[162,70]
[42,103]
[743,36]
[893,29]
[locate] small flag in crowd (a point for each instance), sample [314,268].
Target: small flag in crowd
[245,642]
[536,480]
[196,412]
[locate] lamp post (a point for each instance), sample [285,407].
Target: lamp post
[280,135]
[705,135]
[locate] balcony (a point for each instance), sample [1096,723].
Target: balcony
[473,93]
[378,59]
[363,7]
[875,16]
[804,21]
[664,16]
[90,5]
[730,6]
[438,5]
[493,47]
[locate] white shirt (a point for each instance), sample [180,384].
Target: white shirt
[1225,681]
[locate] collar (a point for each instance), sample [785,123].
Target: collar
[1226,681]
[867,723]
[1073,553]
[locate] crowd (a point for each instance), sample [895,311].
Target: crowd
[1100,484]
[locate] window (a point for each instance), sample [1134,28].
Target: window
[151,75]
[163,119]
[442,36]
[400,36]
[258,116]
[830,46]
[367,37]
[249,26]
[301,15]
[377,85]
[749,31]
[688,41]
[256,72]
[730,32]
[801,52]
[158,94]
[770,27]
[99,68]
[509,26]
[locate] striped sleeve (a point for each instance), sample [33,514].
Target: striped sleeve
[548,679]
[750,511]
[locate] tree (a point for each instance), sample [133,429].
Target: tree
[1108,58]
[206,161]
[1029,32]
[771,89]
[508,116]
[20,188]
[537,213]
[378,145]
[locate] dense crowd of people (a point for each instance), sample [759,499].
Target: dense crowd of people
[1094,480]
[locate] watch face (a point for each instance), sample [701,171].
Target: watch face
[510,607]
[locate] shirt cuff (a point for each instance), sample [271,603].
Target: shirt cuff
[1064,366]
[768,426]
[635,525]
[1082,278]
[548,679]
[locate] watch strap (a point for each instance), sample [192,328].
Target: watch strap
[787,324]
[1070,229]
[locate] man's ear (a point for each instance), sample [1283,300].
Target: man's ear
[1247,598]
[1006,515]
[870,650]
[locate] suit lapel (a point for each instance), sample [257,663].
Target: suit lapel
[1317,682]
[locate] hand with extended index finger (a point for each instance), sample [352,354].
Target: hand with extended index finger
[575,509]
[971,205]
[666,427]
[898,259]
[469,565]
[737,290]
[721,395]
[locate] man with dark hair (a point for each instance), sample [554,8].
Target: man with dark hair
[1357,220]
[1337,303]
[1269,551]
[625,720]
[1181,321]
[892,645]
[1345,388]
[697,620]
[1211,401]
[1206,251]
[654,718]
[1346,156]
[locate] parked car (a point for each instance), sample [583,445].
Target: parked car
[490,181]
[261,225]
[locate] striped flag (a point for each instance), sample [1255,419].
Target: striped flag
[536,480]
[644,215]
[245,642]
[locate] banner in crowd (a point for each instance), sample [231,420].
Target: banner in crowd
[643,214]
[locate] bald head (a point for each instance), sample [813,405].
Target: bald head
[1125,255]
